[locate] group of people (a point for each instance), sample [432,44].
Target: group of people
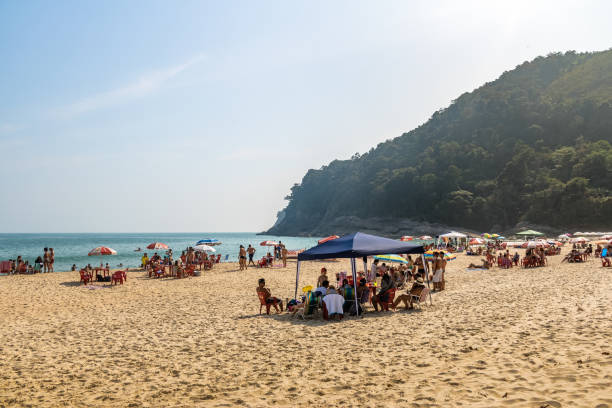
[280,252]
[42,264]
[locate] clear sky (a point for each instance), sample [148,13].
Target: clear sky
[145,116]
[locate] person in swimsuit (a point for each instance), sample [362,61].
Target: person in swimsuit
[51,259]
[46,261]
[284,255]
[323,277]
[267,295]
[251,252]
[242,258]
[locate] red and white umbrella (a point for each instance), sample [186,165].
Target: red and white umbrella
[477,241]
[406,238]
[330,238]
[578,240]
[425,237]
[268,243]
[102,250]
[157,245]
[607,237]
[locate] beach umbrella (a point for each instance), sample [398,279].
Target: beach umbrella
[102,250]
[578,240]
[406,238]
[268,243]
[607,237]
[537,244]
[391,258]
[157,245]
[447,255]
[204,248]
[209,242]
[425,237]
[476,241]
[530,233]
[330,238]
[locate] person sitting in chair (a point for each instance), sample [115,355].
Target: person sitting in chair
[322,290]
[415,290]
[261,288]
[386,285]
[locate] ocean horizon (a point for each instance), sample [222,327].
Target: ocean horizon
[72,248]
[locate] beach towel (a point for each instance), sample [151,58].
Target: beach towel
[334,303]
[604,252]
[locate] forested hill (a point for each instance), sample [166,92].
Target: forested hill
[532,147]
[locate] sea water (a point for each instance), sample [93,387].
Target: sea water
[73,248]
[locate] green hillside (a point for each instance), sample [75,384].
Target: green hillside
[533,146]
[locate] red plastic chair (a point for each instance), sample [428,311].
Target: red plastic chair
[117,278]
[262,303]
[390,298]
[85,276]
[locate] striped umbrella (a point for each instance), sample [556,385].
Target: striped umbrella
[157,245]
[406,238]
[102,250]
[391,258]
[268,243]
[209,241]
[477,241]
[447,255]
[330,238]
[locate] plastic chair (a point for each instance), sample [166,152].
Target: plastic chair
[389,301]
[117,278]
[263,302]
[85,276]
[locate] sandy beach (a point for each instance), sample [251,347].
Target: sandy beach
[519,337]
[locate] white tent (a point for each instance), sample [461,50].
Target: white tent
[453,234]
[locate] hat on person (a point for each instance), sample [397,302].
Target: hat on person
[419,280]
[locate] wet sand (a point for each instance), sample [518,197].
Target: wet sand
[520,338]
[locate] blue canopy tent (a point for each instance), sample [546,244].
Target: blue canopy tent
[356,245]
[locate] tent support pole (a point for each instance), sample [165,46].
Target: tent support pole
[426,269]
[354,271]
[297,279]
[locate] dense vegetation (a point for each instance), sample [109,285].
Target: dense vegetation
[533,146]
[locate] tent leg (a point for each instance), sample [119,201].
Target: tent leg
[297,279]
[426,268]
[354,271]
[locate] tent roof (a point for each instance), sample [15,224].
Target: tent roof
[453,234]
[357,245]
[529,232]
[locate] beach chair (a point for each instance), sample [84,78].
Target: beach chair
[5,267]
[85,276]
[389,301]
[262,303]
[311,305]
[421,298]
[117,278]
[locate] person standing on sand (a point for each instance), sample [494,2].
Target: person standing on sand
[46,261]
[251,252]
[242,258]
[284,255]
[51,259]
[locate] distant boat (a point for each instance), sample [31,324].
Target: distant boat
[209,242]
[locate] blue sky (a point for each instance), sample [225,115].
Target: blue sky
[199,116]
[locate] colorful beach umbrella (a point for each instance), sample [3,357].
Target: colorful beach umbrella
[425,237]
[476,241]
[391,258]
[406,238]
[102,250]
[447,255]
[268,243]
[209,242]
[204,248]
[330,238]
[157,245]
